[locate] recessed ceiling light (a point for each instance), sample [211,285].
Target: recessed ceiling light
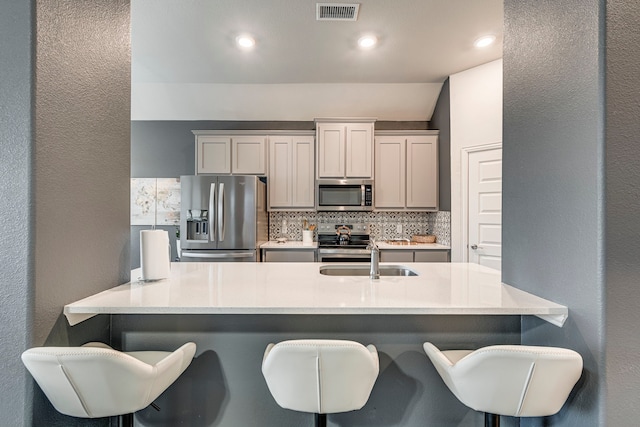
[245,41]
[367,42]
[485,41]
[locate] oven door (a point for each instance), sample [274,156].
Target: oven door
[343,255]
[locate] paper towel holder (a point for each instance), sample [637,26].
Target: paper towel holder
[155,255]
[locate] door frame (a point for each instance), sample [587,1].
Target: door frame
[464,224]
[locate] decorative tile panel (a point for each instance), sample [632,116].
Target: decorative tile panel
[382,225]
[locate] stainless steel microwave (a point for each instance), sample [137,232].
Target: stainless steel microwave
[344,194]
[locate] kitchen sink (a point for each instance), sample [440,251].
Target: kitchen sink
[400,242]
[363,270]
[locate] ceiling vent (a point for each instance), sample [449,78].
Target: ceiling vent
[337,11]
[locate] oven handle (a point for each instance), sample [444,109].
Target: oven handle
[345,252]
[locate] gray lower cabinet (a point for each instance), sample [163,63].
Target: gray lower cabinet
[431,255]
[394,255]
[288,255]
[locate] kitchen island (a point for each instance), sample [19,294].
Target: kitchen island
[299,288]
[232,311]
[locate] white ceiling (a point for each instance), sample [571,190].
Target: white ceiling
[185,65]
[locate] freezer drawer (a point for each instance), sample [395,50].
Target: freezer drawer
[218,256]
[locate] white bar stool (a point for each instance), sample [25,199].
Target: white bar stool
[95,381]
[513,380]
[320,376]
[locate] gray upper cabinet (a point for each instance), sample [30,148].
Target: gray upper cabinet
[406,171]
[344,148]
[249,155]
[213,154]
[238,154]
[291,172]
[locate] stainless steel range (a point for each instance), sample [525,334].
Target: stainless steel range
[343,243]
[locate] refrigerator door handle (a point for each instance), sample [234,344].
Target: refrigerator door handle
[224,255]
[211,219]
[221,225]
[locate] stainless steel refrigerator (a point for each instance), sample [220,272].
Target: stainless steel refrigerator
[222,218]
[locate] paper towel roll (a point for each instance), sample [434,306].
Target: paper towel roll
[155,256]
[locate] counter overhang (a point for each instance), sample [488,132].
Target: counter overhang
[299,288]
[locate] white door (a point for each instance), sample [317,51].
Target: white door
[485,207]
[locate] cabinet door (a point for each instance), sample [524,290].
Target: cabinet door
[359,150]
[394,255]
[248,155]
[422,172]
[331,140]
[432,256]
[213,154]
[280,171]
[303,178]
[390,153]
[289,256]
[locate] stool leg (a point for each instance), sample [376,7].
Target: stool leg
[126,420]
[321,420]
[491,420]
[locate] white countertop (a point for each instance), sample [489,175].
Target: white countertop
[412,247]
[272,244]
[299,288]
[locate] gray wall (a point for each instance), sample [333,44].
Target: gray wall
[65,176]
[441,120]
[622,213]
[81,151]
[571,173]
[16,238]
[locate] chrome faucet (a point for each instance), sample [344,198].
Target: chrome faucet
[374,272]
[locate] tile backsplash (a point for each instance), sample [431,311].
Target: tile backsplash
[382,225]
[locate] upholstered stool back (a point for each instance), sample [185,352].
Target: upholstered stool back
[95,380]
[513,380]
[320,376]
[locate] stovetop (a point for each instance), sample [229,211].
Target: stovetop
[328,237]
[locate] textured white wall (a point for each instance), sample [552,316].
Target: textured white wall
[476,119]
